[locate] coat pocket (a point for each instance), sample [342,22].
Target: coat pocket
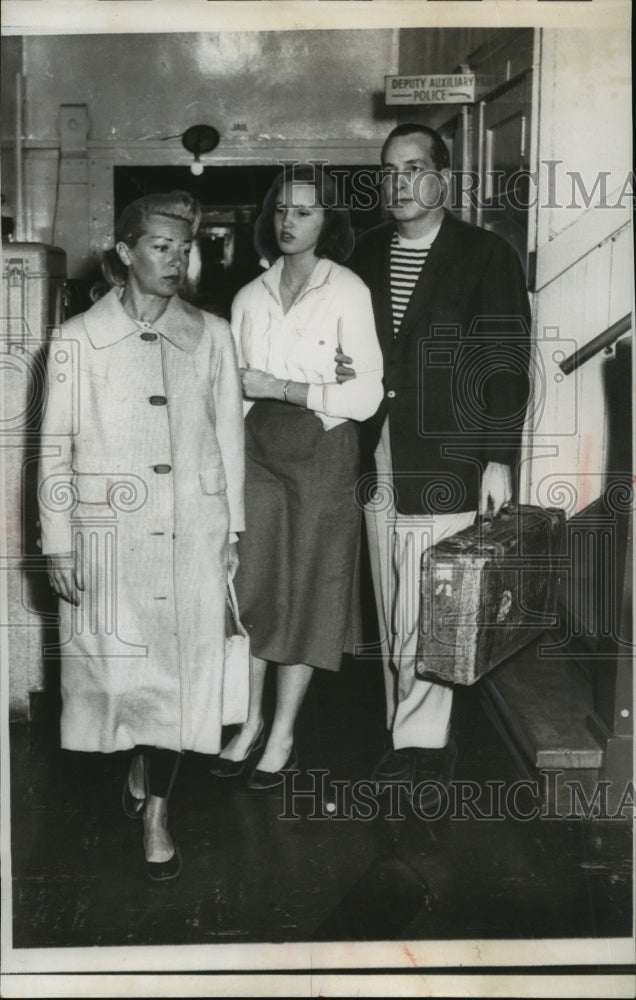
[98,493]
[92,488]
[213,480]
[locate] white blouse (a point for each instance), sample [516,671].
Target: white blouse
[334,309]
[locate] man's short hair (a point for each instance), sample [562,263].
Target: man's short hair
[438,148]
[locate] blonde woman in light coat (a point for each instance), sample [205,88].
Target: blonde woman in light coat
[141,496]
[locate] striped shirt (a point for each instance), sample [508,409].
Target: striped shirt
[407,260]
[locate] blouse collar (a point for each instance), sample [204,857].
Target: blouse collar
[318,277]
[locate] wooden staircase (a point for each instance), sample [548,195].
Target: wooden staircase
[564,705]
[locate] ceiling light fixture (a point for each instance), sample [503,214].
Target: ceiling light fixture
[199,139]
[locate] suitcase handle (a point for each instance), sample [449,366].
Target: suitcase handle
[504,513]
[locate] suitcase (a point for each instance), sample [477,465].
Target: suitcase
[32,297]
[488,591]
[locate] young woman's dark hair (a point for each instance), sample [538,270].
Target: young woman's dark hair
[336,240]
[132,224]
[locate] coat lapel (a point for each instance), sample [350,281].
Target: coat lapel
[441,254]
[181,324]
[107,322]
[382,289]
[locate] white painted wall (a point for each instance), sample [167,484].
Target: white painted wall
[584,257]
[271,95]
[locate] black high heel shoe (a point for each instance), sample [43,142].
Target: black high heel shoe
[132,806]
[222,767]
[162,871]
[156,763]
[262,780]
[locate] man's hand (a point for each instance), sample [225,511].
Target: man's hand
[66,576]
[343,372]
[496,488]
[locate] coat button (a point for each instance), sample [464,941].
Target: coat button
[391,394]
[157,400]
[148,336]
[162,469]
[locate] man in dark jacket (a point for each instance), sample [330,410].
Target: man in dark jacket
[452,317]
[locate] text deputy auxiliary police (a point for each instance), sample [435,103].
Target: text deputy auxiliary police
[453,88]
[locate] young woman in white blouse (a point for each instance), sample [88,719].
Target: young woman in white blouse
[298,557]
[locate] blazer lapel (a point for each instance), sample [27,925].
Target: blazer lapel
[439,258]
[382,287]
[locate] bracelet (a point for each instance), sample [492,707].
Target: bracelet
[285,388]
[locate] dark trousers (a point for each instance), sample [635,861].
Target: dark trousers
[161,768]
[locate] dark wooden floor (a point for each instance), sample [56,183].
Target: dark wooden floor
[251,876]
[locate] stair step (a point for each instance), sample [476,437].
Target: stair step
[545,704]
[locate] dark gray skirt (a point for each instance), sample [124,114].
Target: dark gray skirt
[298,579]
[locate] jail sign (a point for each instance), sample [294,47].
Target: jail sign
[435,88]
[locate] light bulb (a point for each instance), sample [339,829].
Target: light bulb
[196,168]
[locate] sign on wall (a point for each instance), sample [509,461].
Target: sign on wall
[435,88]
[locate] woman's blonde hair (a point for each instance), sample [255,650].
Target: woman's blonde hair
[132,224]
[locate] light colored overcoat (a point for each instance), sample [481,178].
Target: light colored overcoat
[142,468]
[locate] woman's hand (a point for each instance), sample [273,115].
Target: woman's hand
[260,385]
[65,576]
[232,560]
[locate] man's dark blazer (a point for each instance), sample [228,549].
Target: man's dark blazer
[456,374]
